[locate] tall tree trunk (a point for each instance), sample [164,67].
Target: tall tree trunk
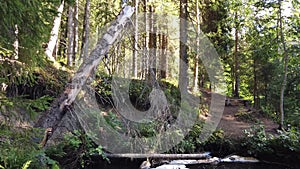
[145,62]
[196,61]
[152,45]
[75,29]
[54,33]
[163,59]
[183,64]
[236,60]
[255,84]
[285,60]
[70,48]
[202,77]
[135,43]
[62,45]
[86,32]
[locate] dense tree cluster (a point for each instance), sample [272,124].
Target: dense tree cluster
[257,43]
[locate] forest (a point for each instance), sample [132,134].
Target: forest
[150,84]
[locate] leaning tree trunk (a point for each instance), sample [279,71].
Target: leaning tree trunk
[52,117]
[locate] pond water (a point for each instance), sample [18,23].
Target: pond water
[134,164]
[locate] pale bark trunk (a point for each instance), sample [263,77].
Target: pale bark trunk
[54,115]
[54,33]
[135,43]
[70,48]
[16,43]
[196,64]
[285,60]
[86,31]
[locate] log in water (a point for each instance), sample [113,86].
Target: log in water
[162,156]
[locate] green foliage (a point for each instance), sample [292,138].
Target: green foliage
[258,142]
[113,120]
[18,150]
[19,108]
[191,141]
[287,141]
[33,107]
[139,91]
[246,116]
[75,151]
[32,19]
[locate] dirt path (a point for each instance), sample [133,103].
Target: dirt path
[233,126]
[238,117]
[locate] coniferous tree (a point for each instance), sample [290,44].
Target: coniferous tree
[183,64]
[85,31]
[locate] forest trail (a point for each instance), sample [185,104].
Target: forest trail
[233,124]
[236,118]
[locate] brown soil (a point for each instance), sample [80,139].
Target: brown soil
[234,127]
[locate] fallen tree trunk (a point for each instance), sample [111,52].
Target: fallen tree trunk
[54,115]
[162,156]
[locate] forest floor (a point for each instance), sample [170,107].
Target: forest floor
[237,117]
[233,124]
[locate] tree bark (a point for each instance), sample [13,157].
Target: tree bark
[162,156]
[54,33]
[183,64]
[62,48]
[196,61]
[145,61]
[86,32]
[163,59]
[75,34]
[16,43]
[255,95]
[236,60]
[53,116]
[285,61]
[135,43]
[70,48]
[152,45]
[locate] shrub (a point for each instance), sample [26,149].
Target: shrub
[18,150]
